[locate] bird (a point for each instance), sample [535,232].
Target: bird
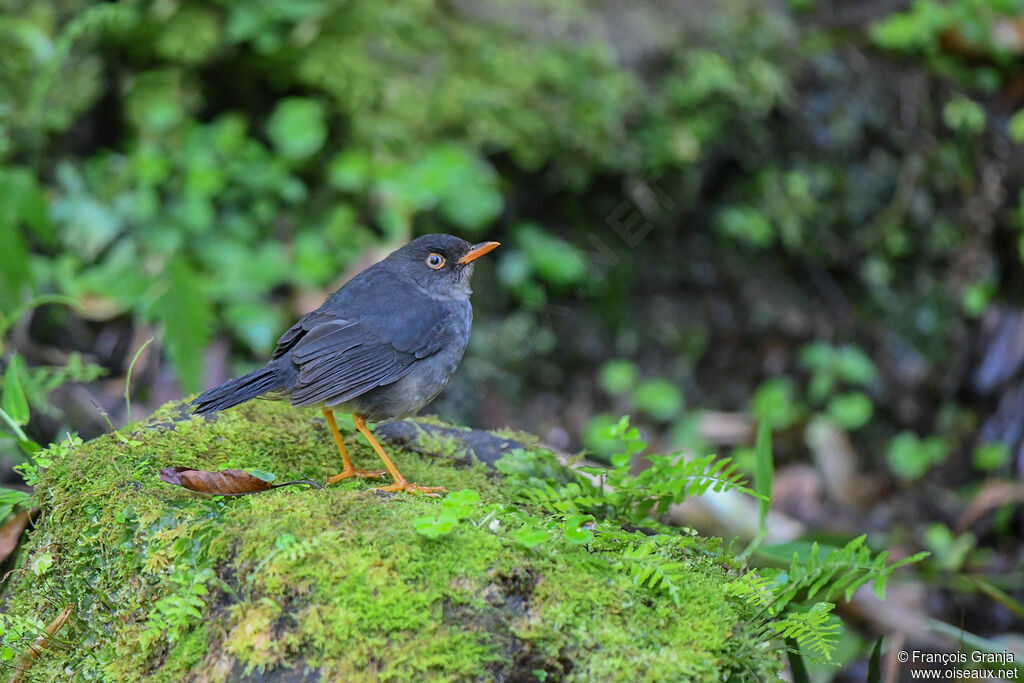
[381,347]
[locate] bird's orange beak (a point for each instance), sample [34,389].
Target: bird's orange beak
[477,251]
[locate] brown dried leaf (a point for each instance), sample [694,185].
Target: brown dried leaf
[1006,33]
[222,482]
[28,659]
[10,533]
[992,495]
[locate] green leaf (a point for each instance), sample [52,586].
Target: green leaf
[910,457]
[830,365]
[617,376]
[42,564]
[554,260]
[185,312]
[631,443]
[875,662]
[597,436]
[814,630]
[153,100]
[473,206]
[746,224]
[459,181]
[12,500]
[350,170]
[914,30]
[530,537]
[854,366]
[950,550]
[298,127]
[14,402]
[462,498]
[764,472]
[1015,127]
[255,323]
[14,260]
[851,410]
[460,504]
[30,447]
[24,199]
[22,205]
[977,295]
[87,224]
[574,529]
[781,553]
[774,403]
[991,456]
[312,270]
[435,527]
[14,427]
[658,398]
[964,116]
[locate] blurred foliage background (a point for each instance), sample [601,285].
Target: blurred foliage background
[807,213]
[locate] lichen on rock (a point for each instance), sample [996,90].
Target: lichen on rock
[303,584]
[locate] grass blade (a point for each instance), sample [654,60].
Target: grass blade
[128,380]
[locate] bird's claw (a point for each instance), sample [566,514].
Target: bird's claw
[403,485]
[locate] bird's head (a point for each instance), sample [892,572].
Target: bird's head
[441,264]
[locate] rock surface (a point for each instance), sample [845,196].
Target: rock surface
[300,584]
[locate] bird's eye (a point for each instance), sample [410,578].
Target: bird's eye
[435,261]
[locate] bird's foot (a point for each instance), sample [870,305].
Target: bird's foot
[403,485]
[350,472]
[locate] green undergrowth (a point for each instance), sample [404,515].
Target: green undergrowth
[345,583]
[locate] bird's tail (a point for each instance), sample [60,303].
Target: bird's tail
[236,391]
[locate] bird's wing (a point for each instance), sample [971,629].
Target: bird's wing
[297,331]
[339,360]
[368,291]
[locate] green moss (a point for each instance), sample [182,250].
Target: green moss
[166,582]
[439,445]
[435,420]
[516,435]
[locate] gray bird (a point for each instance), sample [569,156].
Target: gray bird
[381,347]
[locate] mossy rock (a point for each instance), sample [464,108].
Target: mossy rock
[304,584]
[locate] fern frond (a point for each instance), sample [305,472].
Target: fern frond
[815,630]
[753,588]
[818,576]
[648,566]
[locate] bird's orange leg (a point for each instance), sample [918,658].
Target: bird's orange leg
[348,470]
[400,482]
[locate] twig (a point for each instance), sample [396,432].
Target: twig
[31,656]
